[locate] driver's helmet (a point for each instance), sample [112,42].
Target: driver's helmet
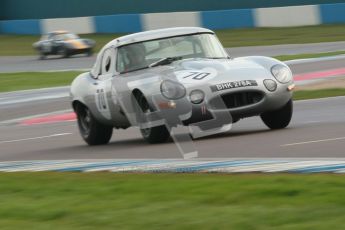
[136,55]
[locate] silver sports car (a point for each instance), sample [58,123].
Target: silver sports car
[165,78]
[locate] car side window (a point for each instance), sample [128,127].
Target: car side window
[58,37]
[50,36]
[108,62]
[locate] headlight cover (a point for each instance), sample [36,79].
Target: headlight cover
[281,73]
[270,85]
[89,42]
[172,90]
[197,96]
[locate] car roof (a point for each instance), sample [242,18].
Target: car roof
[156,34]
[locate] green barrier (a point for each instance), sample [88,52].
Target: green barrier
[38,9]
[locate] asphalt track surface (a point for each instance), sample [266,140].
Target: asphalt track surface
[316,131]
[53,63]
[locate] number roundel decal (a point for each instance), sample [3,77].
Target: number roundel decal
[196,76]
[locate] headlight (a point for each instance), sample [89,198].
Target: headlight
[281,73]
[89,42]
[69,45]
[270,84]
[196,96]
[172,90]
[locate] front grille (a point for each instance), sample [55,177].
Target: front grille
[234,100]
[239,99]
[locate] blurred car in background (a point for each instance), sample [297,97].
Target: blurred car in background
[63,43]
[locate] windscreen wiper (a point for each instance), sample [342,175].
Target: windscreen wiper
[165,61]
[132,70]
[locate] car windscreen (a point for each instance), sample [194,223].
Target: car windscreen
[67,36]
[140,55]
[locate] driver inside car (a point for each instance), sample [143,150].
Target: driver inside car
[136,57]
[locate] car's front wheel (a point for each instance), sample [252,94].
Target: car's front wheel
[64,52]
[92,131]
[41,54]
[280,118]
[153,135]
[89,53]
[158,134]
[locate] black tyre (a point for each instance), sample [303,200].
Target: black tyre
[158,134]
[89,53]
[42,56]
[280,118]
[93,132]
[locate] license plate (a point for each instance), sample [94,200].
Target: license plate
[233,84]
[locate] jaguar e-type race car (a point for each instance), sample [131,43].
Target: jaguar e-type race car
[63,43]
[161,79]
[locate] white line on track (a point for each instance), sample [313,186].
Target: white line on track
[320,99]
[40,90]
[315,141]
[312,122]
[34,98]
[36,138]
[310,60]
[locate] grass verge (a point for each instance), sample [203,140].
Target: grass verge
[318,93]
[171,201]
[279,36]
[304,56]
[35,80]
[12,45]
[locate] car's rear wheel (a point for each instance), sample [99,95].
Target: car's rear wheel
[153,135]
[92,131]
[280,118]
